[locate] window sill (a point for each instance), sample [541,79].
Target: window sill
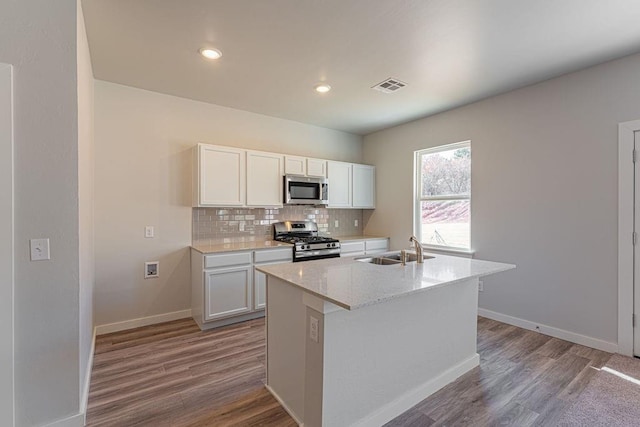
[444,250]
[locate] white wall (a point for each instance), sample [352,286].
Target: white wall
[85,195]
[142,177]
[544,192]
[6,246]
[38,38]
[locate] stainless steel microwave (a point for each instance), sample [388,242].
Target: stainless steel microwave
[302,190]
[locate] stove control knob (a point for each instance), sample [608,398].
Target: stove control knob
[333,245]
[328,245]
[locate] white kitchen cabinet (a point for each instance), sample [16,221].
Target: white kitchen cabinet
[365,246]
[317,167]
[227,292]
[218,176]
[305,166]
[294,165]
[266,257]
[259,290]
[363,178]
[376,246]
[340,184]
[226,288]
[352,248]
[264,178]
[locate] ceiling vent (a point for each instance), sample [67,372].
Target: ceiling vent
[389,85]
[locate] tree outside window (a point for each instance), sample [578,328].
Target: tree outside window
[443,202]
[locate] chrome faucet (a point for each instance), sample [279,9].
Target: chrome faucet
[419,249]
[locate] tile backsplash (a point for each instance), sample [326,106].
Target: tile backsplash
[227,225]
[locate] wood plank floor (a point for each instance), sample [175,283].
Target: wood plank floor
[173,374]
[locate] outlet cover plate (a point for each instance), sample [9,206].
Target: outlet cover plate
[151,269]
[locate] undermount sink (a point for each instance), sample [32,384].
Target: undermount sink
[378,260]
[411,257]
[391,258]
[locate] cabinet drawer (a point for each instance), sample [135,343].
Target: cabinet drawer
[273,255]
[348,247]
[227,260]
[376,245]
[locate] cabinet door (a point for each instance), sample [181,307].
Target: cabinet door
[364,186]
[264,179]
[317,167]
[227,292]
[352,248]
[339,175]
[375,246]
[259,290]
[221,176]
[295,165]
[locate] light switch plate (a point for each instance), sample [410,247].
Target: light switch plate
[313,328]
[149,232]
[336,223]
[40,249]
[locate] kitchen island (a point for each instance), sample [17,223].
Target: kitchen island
[354,343]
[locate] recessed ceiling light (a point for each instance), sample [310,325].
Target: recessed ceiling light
[322,88]
[210,53]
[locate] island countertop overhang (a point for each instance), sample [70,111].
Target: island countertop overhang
[352,284]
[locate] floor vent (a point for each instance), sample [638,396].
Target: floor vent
[389,85]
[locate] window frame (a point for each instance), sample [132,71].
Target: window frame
[418,198]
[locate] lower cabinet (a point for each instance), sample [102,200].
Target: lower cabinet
[226,288]
[227,292]
[352,248]
[259,290]
[364,246]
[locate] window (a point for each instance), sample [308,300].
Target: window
[443,196]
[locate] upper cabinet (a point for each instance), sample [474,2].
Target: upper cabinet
[264,178]
[226,176]
[351,185]
[219,178]
[294,165]
[305,166]
[364,189]
[317,167]
[340,184]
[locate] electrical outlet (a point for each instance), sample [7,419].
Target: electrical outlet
[241,226]
[355,222]
[336,223]
[313,328]
[151,269]
[480,286]
[149,232]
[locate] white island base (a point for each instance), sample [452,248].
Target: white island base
[371,364]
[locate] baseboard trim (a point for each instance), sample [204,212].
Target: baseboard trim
[76,420]
[142,321]
[413,397]
[284,406]
[562,334]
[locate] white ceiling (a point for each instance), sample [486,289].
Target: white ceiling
[449,52]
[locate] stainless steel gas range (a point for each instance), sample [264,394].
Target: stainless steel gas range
[307,245]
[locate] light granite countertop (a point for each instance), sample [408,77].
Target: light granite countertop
[353,284]
[353,238]
[239,246]
[262,244]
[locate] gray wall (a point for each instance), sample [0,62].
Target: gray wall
[544,192]
[38,37]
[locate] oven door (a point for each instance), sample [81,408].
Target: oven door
[305,191]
